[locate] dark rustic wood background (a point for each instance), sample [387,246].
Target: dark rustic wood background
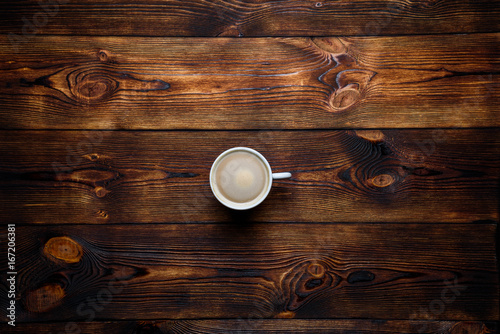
[385,112]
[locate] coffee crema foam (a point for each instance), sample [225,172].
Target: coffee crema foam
[241,177]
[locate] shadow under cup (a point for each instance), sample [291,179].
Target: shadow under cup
[240,178]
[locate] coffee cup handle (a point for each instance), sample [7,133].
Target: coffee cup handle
[279,176]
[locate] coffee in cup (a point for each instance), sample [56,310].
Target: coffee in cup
[241,178]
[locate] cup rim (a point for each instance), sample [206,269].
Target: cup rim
[235,205]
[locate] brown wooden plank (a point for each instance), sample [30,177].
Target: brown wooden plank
[102,177]
[252,325]
[410,271]
[58,82]
[23,19]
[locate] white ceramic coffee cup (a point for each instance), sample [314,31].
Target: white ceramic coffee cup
[263,194]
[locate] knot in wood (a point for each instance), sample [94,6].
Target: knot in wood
[316,270]
[332,45]
[64,249]
[374,136]
[352,84]
[344,98]
[100,159]
[103,56]
[45,298]
[93,87]
[94,157]
[307,279]
[382,180]
[100,191]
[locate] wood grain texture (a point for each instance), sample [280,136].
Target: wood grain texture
[385,111]
[23,19]
[255,326]
[103,177]
[237,270]
[262,83]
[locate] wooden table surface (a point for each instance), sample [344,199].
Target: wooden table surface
[385,112]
